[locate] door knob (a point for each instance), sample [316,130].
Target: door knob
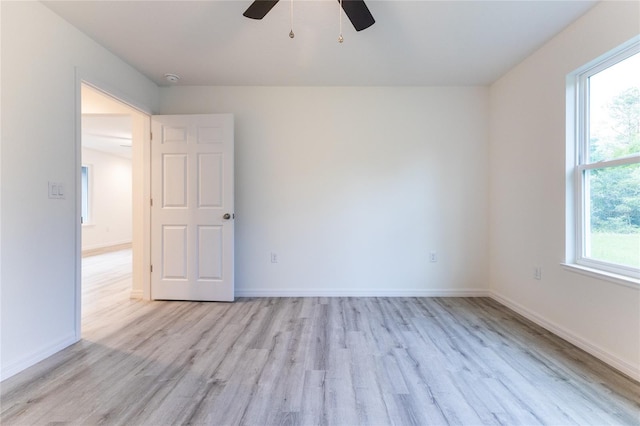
[226,216]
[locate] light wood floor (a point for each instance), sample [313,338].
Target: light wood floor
[307,361]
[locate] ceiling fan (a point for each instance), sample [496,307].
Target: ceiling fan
[356,10]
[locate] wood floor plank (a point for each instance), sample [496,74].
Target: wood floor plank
[310,361]
[313,399]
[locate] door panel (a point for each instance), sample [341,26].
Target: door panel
[174,252]
[192,181]
[210,173]
[174,180]
[209,252]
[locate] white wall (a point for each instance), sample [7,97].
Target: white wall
[40,53]
[352,187]
[527,200]
[110,208]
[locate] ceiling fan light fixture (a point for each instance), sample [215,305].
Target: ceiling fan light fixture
[340,38]
[356,10]
[291,34]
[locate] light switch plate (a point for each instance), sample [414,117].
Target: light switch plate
[53,190]
[56,190]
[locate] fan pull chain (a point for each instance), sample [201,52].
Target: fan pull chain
[340,38]
[291,34]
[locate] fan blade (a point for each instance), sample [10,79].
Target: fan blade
[259,8]
[358,13]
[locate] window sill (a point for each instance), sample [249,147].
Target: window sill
[603,275]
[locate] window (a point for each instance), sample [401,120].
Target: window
[606,172]
[84,176]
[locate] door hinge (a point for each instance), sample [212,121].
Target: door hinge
[151,268]
[152,202]
[151,135]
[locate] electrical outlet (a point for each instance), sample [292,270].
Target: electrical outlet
[274,257]
[537,273]
[433,256]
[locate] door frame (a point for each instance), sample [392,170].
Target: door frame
[141,182]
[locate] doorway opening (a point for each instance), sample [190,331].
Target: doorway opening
[111,186]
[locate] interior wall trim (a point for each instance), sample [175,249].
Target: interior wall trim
[626,368]
[37,356]
[470,292]
[90,250]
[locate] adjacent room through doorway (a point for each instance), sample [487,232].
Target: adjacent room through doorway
[107,197]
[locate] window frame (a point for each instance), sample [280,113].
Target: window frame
[86,221]
[580,142]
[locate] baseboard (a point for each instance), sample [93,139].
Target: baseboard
[105,248]
[36,357]
[633,371]
[471,292]
[136,294]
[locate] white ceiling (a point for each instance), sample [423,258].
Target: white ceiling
[106,124]
[108,133]
[412,42]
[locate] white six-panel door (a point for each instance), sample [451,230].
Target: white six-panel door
[192,207]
